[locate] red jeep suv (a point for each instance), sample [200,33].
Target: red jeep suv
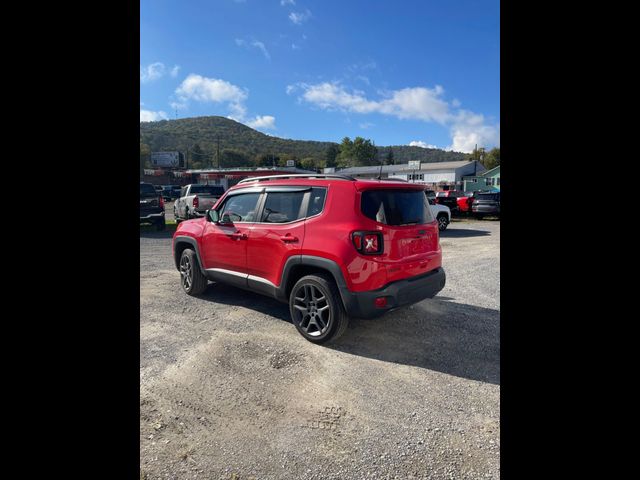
[331,246]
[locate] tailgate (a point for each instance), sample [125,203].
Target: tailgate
[409,231]
[206,201]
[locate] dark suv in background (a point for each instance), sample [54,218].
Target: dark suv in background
[151,206]
[486,204]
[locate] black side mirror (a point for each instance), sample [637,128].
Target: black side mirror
[212,215]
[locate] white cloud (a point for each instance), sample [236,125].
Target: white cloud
[411,103]
[470,129]
[203,89]
[300,17]
[174,71]
[152,72]
[420,143]
[263,49]
[415,103]
[294,47]
[256,44]
[266,122]
[214,90]
[366,125]
[287,2]
[149,116]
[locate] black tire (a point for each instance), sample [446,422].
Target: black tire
[160,225]
[307,302]
[175,216]
[479,216]
[191,278]
[443,222]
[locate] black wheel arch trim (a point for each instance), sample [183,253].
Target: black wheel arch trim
[319,262]
[191,241]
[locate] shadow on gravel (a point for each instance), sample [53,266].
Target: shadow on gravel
[152,233]
[463,232]
[447,337]
[220,293]
[444,336]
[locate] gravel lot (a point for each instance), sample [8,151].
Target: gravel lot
[230,390]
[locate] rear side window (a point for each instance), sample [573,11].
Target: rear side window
[396,207]
[282,207]
[147,190]
[316,201]
[487,196]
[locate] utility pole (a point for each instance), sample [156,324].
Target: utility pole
[218,152]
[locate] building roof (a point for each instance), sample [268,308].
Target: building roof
[251,170]
[490,172]
[404,167]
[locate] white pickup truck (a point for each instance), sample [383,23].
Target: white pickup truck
[441,212]
[195,200]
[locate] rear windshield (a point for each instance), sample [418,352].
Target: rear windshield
[208,189]
[487,196]
[147,190]
[396,207]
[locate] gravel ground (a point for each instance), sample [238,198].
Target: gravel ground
[230,390]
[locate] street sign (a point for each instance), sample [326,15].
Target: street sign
[291,163]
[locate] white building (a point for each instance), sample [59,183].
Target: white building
[432,173]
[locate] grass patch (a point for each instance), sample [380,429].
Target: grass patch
[169,227]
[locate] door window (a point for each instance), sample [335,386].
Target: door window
[282,207]
[242,208]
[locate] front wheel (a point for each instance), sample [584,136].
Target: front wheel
[191,278]
[443,222]
[316,309]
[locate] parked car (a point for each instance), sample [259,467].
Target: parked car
[449,199]
[485,204]
[151,206]
[158,188]
[331,246]
[441,212]
[170,192]
[195,200]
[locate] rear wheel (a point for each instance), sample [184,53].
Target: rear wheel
[175,215]
[479,216]
[160,224]
[317,310]
[191,278]
[443,222]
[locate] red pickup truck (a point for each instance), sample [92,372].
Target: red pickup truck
[457,201]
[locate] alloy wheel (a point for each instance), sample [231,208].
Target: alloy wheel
[186,272]
[312,310]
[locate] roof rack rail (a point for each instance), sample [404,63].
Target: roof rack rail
[297,175]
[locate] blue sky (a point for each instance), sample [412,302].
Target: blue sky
[397,72]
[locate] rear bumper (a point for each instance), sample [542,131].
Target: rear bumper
[485,209]
[151,217]
[398,294]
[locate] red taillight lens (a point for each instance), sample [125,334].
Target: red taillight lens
[196,202]
[161,201]
[368,243]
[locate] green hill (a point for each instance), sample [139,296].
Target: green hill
[243,146]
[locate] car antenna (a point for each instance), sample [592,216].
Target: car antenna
[380,174]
